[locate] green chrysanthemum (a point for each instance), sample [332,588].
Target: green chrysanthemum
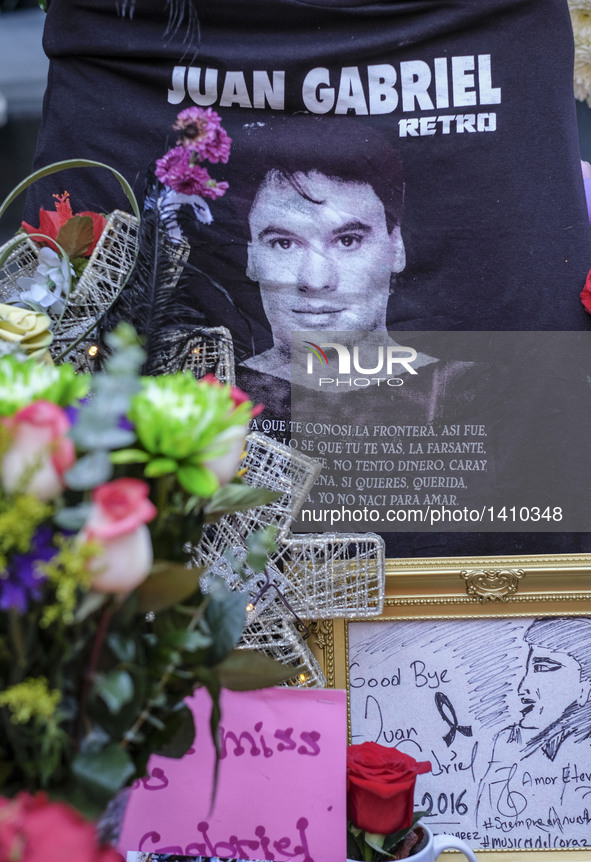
[183,424]
[21,383]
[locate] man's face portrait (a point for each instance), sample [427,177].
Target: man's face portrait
[551,683]
[322,254]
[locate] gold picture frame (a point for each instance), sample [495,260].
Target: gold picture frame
[440,601]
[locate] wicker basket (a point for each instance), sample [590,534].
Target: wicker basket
[99,285]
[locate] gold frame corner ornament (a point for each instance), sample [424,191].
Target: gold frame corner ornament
[492,584]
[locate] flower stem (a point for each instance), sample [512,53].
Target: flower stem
[92,664]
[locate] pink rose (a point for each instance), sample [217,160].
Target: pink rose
[237,395]
[120,511]
[33,829]
[39,453]
[586,293]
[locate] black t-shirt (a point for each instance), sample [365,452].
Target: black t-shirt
[454,107]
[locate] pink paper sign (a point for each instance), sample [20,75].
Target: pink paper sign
[281,790]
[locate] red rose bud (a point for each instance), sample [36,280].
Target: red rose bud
[380,787]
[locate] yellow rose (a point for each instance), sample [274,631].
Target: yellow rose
[31,330]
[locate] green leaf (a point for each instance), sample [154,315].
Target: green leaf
[244,670]
[160,467]
[102,773]
[115,689]
[190,641]
[129,456]
[178,736]
[89,471]
[235,497]
[76,235]
[167,584]
[124,648]
[225,615]
[55,167]
[198,480]
[260,545]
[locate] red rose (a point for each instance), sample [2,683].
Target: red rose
[33,829]
[586,293]
[380,787]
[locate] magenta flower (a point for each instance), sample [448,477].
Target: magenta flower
[176,170]
[201,131]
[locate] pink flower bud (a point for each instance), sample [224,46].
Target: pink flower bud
[39,453]
[120,511]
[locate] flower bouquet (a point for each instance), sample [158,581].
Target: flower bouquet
[104,484]
[381,823]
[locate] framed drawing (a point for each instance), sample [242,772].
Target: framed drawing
[482,666]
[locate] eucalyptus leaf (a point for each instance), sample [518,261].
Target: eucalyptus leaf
[89,471]
[72,518]
[178,736]
[97,437]
[244,670]
[102,773]
[115,689]
[225,616]
[122,646]
[190,641]
[235,497]
[260,545]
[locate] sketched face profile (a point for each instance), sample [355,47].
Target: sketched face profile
[556,673]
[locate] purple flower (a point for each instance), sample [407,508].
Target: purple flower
[202,133]
[176,170]
[21,583]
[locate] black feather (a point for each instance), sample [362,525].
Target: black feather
[150,301]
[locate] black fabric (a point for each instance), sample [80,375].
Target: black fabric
[494,221]
[495,225]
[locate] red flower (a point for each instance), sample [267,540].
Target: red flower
[586,293]
[380,787]
[33,829]
[55,225]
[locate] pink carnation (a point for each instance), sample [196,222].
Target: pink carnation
[201,131]
[175,170]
